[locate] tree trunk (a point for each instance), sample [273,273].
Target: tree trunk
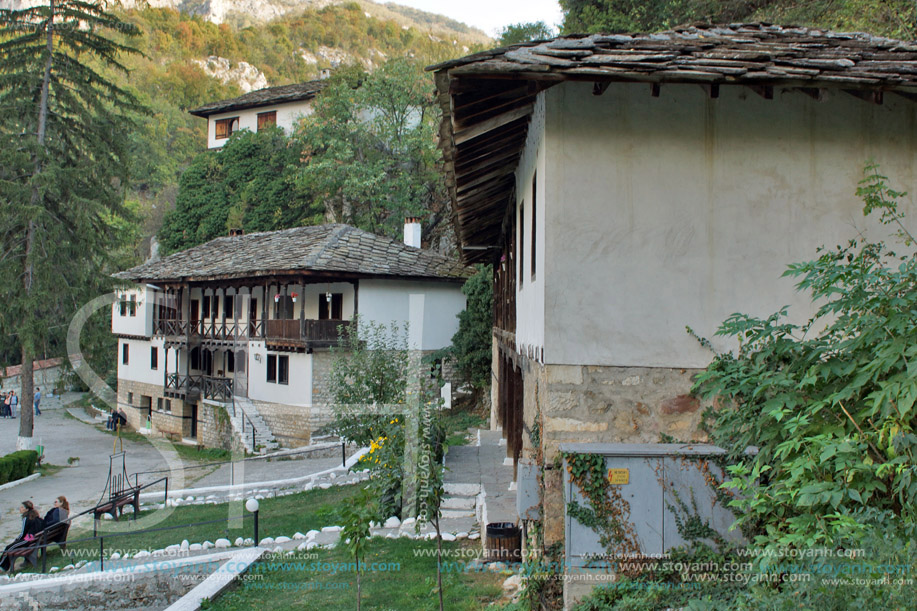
[26,419]
[359,591]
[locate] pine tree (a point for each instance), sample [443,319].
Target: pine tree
[62,168]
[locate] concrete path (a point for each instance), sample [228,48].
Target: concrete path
[65,437]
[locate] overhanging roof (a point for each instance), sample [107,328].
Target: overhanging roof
[324,250]
[487,98]
[263,97]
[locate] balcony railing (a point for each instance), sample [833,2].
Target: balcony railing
[217,389]
[315,333]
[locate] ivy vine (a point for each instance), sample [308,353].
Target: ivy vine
[607,513]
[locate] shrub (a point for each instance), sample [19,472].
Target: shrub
[17,465]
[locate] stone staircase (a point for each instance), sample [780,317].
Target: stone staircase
[264,438]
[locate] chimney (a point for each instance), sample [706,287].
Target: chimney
[412,231]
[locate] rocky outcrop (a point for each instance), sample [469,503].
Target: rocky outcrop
[243,74]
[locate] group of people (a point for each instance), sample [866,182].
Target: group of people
[116,420]
[9,403]
[32,524]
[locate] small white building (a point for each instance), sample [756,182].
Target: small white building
[244,324]
[272,106]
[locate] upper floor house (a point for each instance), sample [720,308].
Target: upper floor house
[272,106]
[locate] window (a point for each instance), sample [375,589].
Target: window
[521,234]
[130,398]
[122,305]
[239,361]
[168,406]
[216,306]
[278,369]
[272,368]
[132,305]
[154,357]
[267,119]
[205,311]
[534,208]
[228,305]
[159,404]
[333,310]
[230,362]
[124,353]
[225,127]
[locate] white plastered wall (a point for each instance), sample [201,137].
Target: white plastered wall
[139,360]
[679,210]
[388,301]
[530,292]
[142,323]
[287,115]
[299,389]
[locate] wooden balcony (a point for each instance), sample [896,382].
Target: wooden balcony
[289,334]
[191,387]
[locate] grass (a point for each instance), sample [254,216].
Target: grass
[458,420]
[48,469]
[281,516]
[320,583]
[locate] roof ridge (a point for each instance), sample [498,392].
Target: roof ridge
[331,243]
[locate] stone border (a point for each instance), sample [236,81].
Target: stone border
[29,478]
[218,581]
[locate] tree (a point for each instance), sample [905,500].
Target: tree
[831,404]
[471,344]
[370,147]
[62,171]
[250,183]
[524,32]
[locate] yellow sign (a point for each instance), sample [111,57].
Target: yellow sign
[618,476]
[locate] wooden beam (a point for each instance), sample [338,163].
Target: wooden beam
[816,93]
[765,91]
[484,127]
[461,120]
[867,95]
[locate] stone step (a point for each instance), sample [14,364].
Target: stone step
[459,502]
[449,514]
[453,489]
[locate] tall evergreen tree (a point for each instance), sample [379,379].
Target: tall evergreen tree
[62,168]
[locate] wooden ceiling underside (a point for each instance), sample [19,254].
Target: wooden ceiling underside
[481,148]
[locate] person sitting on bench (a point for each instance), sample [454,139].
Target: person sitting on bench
[117,420]
[31,526]
[58,513]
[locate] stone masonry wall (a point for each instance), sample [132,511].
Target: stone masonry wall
[213,427]
[291,425]
[163,423]
[611,405]
[322,361]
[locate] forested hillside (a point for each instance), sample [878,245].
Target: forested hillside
[171,77]
[892,18]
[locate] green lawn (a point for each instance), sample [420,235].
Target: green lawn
[409,582]
[281,516]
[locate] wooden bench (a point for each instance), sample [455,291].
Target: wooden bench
[30,550]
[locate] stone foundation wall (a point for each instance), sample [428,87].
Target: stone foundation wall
[291,424]
[213,427]
[176,423]
[605,404]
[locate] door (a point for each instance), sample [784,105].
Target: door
[194,420]
[195,315]
[253,317]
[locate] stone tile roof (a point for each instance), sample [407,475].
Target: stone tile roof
[263,97]
[323,249]
[756,53]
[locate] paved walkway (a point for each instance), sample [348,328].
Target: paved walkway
[70,432]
